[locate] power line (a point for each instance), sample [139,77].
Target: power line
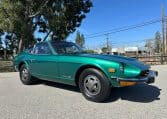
[116,30]
[105,32]
[125,28]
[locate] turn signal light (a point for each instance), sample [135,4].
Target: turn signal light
[127,83]
[111,70]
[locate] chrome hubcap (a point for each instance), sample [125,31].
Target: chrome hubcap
[25,74]
[92,85]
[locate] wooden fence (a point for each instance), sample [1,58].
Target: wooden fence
[153,60]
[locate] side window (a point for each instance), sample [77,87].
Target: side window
[42,49]
[71,49]
[65,48]
[30,51]
[60,49]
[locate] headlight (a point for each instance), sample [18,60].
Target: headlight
[121,68]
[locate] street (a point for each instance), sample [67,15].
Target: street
[57,101]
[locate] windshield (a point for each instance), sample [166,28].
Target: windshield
[66,48]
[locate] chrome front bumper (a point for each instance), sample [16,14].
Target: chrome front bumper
[150,78]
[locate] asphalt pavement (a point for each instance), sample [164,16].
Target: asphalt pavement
[57,101]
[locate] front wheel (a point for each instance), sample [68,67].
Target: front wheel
[94,85]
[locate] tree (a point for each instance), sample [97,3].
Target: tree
[1,33]
[14,18]
[90,51]
[1,48]
[150,46]
[8,45]
[80,39]
[104,49]
[59,17]
[11,42]
[158,43]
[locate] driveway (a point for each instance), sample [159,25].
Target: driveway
[56,101]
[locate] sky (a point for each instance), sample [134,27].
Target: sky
[109,14]
[106,15]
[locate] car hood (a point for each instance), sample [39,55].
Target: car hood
[120,59]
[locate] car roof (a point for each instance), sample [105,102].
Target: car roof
[56,41]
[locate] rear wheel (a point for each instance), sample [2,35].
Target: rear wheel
[94,85]
[26,77]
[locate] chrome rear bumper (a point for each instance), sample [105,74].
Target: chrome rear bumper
[16,69]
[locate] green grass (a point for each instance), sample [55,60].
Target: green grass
[6,66]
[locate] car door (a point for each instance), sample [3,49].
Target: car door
[43,64]
[67,64]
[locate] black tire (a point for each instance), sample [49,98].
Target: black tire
[28,79]
[99,90]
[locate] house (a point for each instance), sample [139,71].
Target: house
[129,51]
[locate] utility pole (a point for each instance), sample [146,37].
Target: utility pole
[166,38]
[163,32]
[107,42]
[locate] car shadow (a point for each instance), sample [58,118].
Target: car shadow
[61,86]
[143,93]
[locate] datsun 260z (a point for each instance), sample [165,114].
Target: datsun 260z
[94,74]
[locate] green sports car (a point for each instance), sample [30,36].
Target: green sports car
[94,74]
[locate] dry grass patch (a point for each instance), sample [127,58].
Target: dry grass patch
[6,66]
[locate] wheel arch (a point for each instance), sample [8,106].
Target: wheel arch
[22,63]
[82,68]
